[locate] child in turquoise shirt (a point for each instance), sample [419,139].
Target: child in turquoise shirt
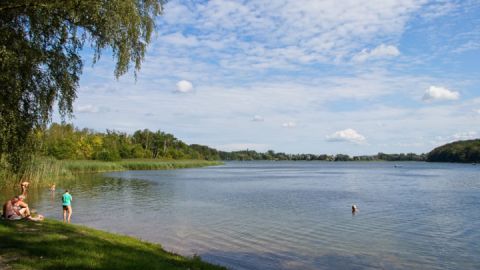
[67,206]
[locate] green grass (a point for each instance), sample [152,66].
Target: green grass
[53,245]
[86,166]
[149,164]
[90,166]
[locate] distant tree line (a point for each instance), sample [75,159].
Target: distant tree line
[64,141]
[271,155]
[459,151]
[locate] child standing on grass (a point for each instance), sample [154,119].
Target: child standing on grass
[67,206]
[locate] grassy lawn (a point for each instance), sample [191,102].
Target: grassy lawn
[53,245]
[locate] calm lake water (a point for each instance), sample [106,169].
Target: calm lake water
[291,215]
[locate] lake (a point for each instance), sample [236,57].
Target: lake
[291,215]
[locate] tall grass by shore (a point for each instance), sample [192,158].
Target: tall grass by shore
[38,171]
[148,164]
[44,171]
[88,166]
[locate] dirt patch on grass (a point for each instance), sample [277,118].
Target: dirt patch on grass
[4,262]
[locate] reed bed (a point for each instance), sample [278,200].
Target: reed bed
[91,166]
[40,171]
[44,171]
[152,164]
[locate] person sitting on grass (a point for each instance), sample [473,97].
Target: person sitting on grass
[10,211]
[22,207]
[16,209]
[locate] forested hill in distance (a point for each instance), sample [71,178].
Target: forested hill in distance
[459,151]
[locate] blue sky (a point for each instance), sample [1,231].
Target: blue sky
[354,77]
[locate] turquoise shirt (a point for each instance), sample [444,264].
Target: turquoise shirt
[67,199]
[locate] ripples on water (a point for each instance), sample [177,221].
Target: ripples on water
[292,215]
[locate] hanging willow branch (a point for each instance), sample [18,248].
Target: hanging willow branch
[40,61]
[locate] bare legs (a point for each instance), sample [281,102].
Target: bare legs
[25,212]
[67,213]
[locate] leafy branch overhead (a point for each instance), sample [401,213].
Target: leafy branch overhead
[40,61]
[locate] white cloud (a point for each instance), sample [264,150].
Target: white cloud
[346,135]
[184,86]
[87,109]
[465,135]
[381,51]
[438,9]
[460,136]
[180,40]
[217,117]
[248,57]
[440,93]
[288,32]
[289,124]
[468,46]
[258,118]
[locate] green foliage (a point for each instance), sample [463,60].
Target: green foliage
[271,155]
[63,141]
[460,151]
[107,155]
[204,152]
[401,157]
[53,245]
[40,63]
[342,157]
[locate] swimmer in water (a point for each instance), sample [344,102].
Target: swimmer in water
[24,187]
[354,209]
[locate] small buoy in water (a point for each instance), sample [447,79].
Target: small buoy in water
[354,208]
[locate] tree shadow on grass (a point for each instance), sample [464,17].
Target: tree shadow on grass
[52,245]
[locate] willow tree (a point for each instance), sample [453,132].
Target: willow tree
[40,61]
